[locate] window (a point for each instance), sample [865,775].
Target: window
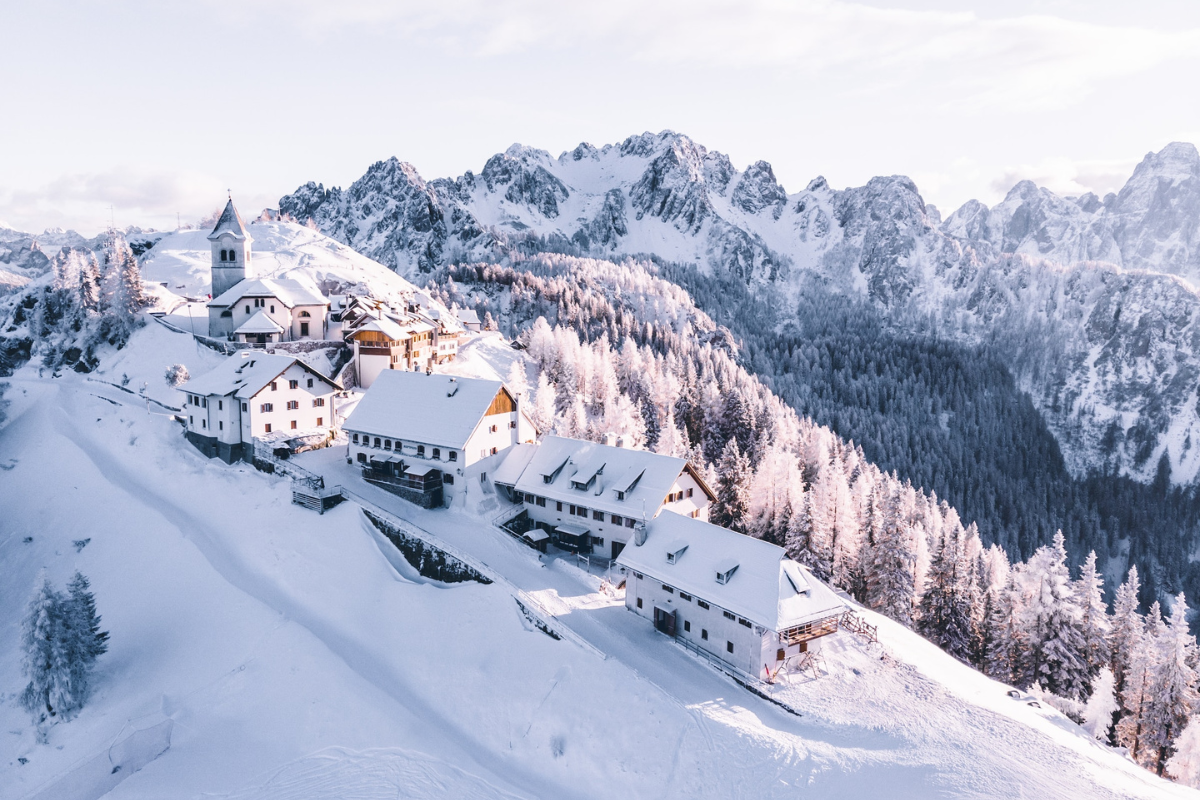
[729,647]
[293,384]
[220,405]
[454,455]
[689,491]
[637,575]
[377,442]
[320,421]
[685,596]
[639,602]
[203,423]
[266,408]
[318,402]
[615,520]
[704,634]
[220,426]
[247,309]
[492,429]
[267,428]
[305,314]
[233,255]
[512,425]
[558,505]
[224,255]
[744,622]
[293,405]
[668,589]
[272,309]
[204,402]
[421,450]
[355,438]
[541,501]
[362,458]
[728,615]
[628,522]
[447,478]
[702,604]
[437,453]
[495,450]
[293,424]
[310,386]
[687,626]
[598,516]
[243,406]
[598,541]
[273,386]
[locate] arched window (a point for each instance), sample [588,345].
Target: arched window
[437,453]
[233,255]
[421,450]
[305,314]
[377,441]
[224,255]
[387,444]
[356,438]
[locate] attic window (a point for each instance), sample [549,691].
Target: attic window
[675,551]
[548,477]
[725,570]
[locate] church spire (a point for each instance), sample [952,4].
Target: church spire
[231,223]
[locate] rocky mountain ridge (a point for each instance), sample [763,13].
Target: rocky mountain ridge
[1081,294]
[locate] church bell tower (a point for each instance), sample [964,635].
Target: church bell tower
[230,250]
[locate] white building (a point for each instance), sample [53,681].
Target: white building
[590,496]
[386,337]
[255,395]
[421,435]
[734,597]
[264,310]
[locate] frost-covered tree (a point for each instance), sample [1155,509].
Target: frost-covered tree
[46,642]
[891,571]
[1137,697]
[1184,765]
[176,375]
[90,641]
[733,489]
[1094,621]
[1127,627]
[544,410]
[1101,706]
[1174,686]
[945,613]
[1051,619]
[1006,647]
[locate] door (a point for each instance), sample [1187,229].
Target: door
[617,547]
[664,620]
[304,329]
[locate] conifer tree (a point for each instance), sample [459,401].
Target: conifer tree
[1175,697]
[944,616]
[1127,627]
[1137,697]
[1101,707]
[890,574]
[1056,643]
[91,642]
[1005,650]
[733,489]
[1093,617]
[1184,765]
[45,642]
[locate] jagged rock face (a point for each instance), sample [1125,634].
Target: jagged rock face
[1110,357]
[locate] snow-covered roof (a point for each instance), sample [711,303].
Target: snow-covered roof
[516,458]
[643,477]
[260,323]
[385,326]
[434,409]
[467,316]
[246,373]
[766,587]
[290,292]
[230,223]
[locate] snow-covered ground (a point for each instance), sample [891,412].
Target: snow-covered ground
[296,661]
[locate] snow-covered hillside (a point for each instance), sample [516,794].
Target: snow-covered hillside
[1106,350]
[182,260]
[296,656]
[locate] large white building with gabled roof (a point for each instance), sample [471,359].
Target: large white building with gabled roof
[735,598]
[590,497]
[420,435]
[256,395]
[267,310]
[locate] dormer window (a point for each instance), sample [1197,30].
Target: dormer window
[725,570]
[676,550]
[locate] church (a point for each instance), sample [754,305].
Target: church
[257,311]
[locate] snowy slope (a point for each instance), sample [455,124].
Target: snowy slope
[296,661]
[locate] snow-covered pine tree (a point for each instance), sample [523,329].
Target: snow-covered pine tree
[1051,618]
[518,380]
[1127,627]
[544,410]
[1101,707]
[1174,686]
[1005,656]
[1138,695]
[733,489]
[1184,765]
[1093,617]
[90,641]
[47,644]
[944,615]
[890,574]
[89,282]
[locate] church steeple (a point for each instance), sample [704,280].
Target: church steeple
[230,250]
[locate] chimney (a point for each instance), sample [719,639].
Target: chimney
[620,441]
[610,439]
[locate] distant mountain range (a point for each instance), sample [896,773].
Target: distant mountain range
[1088,300]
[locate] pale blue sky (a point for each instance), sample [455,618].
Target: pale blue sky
[157,107]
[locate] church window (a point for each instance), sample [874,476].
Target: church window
[232,255]
[224,256]
[305,314]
